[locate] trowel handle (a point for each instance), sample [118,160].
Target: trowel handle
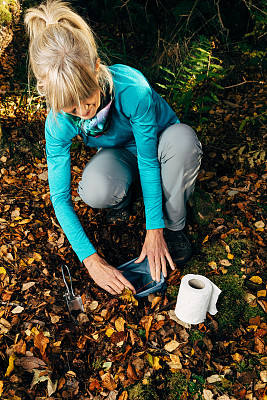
[70,291]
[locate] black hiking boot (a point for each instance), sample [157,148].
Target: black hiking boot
[179,246]
[118,216]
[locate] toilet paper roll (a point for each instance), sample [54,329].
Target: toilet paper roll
[197,295]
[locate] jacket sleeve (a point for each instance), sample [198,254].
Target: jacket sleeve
[59,134]
[139,107]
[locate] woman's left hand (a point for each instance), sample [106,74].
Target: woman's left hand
[156,250]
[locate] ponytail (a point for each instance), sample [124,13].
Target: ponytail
[63,55]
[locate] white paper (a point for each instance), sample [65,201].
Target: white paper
[197,295]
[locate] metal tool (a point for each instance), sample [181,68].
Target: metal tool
[74,303]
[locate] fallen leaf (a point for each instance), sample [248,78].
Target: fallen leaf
[259,345]
[131,374]
[2,387]
[109,332]
[123,396]
[225,263]
[259,224]
[17,310]
[146,322]
[30,363]
[93,305]
[214,378]
[10,367]
[175,362]
[119,324]
[256,279]
[27,286]
[207,394]
[54,318]
[41,342]
[5,326]
[108,381]
[237,357]
[128,296]
[263,375]
[20,347]
[171,346]
[155,301]
[2,271]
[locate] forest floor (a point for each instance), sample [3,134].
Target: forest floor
[121,348]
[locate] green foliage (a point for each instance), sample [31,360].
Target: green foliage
[6,7]
[176,385]
[172,292]
[195,386]
[231,303]
[143,392]
[198,67]
[195,335]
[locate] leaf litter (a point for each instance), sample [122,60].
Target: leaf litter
[120,342]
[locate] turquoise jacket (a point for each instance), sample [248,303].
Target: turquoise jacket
[139,115]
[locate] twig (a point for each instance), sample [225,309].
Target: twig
[238,84]
[164,307]
[6,303]
[144,286]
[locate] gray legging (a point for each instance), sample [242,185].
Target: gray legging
[107,177]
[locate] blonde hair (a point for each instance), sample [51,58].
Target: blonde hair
[63,55]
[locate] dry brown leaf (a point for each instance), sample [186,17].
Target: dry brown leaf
[131,374]
[146,322]
[5,326]
[123,396]
[155,301]
[41,342]
[259,345]
[175,362]
[119,324]
[30,363]
[108,381]
[20,347]
[27,286]
[171,346]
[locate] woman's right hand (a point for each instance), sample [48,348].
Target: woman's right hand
[106,276]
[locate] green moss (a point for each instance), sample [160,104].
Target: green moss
[6,9]
[172,292]
[231,303]
[252,312]
[5,15]
[176,385]
[143,392]
[195,335]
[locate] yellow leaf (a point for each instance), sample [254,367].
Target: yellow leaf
[237,357]
[206,239]
[230,256]
[24,221]
[192,352]
[2,270]
[1,387]
[252,328]
[119,324]
[10,367]
[256,279]
[109,332]
[30,261]
[37,256]
[156,364]
[127,295]
[213,264]
[227,248]
[261,293]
